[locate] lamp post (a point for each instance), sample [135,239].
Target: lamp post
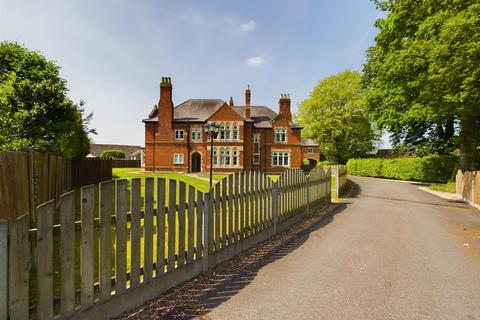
[212,128]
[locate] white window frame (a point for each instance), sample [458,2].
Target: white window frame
[310,150]
[235,132]
[282,131]
[235,157]
[222,157]
[256,138]
[178,133]
[222,131]
[178,158]
[258,158]
[196,135]
[282,159]
[228,160]
[227,132]
[215,157]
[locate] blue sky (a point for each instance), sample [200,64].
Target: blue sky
[113,53]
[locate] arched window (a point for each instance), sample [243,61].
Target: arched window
[227,158]
[235,131]
[227,131]
[222,131]
[235,157]
[214,157]
[222,157]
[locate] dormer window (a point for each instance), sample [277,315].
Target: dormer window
[281,135]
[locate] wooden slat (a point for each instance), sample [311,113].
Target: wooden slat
[105,263]
[209,207]
[230,210]
[161,239]
[67,253]
[246,196]
[255,201]
[236,215]
[135,232]
[121,237]
[261,197]
[87,255]
[45,214]
[148,234]
[217,216]
[191,223]
[19,253]
[241,200]
[181,224]
[224,213]
[3,269]
[172,193]
[200,246]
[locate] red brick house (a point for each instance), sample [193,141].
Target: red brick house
[251,137]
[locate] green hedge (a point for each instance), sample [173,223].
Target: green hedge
[427,169]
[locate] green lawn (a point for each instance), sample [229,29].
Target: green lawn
[444,187]
[129,173]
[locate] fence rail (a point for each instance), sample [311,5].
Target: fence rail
[468,187]
[130,246]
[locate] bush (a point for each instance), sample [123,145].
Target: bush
[427,169]
[325,163]
[114,154]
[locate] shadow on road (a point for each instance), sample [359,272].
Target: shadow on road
[197,297]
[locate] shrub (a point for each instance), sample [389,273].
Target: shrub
[114,154]
[428,169]
[325,163]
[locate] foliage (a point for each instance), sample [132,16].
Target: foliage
[35,112]
[423,75]
[334,115]
[325,163]
[429,169]
[444,187]
[114,154]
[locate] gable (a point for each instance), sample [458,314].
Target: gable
[225,113]
[280,119]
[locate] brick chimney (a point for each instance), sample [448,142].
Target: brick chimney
[248,94]
[165,105]
[284,106]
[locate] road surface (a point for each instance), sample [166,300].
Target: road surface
[390,252]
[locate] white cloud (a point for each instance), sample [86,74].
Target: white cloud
[254,61]
[249,26]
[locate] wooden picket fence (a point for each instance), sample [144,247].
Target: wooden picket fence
[109,249]
[468,187]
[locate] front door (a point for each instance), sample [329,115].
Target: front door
[196,162]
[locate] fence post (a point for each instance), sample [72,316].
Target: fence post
[275,206]
[207,215]
[3,269]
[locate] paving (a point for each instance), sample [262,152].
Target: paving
[392,251]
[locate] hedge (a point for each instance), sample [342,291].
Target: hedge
[427,169]
[114,154]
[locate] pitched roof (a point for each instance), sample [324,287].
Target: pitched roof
[97,149]
[307,142]
[199,110]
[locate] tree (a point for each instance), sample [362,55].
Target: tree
[35,112]
[423,73]
[114,154]
[334,115]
